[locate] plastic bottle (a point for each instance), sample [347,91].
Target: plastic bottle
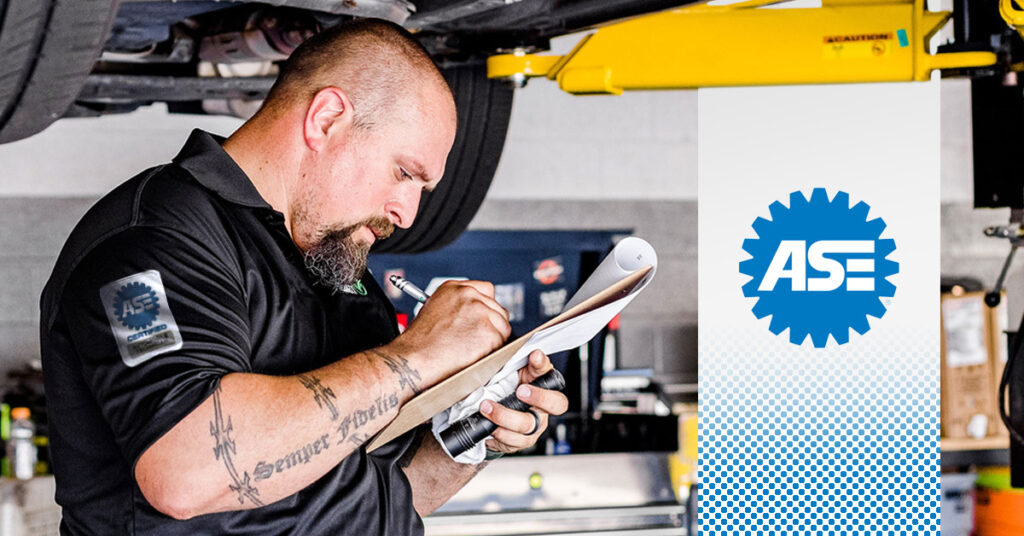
[561,445]
[21,448]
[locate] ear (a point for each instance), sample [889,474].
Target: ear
[329,111]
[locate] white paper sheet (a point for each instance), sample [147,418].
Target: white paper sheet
[629,255]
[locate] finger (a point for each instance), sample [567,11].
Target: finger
[520,422]
[473,292]
[517,441]
[543,425]
[546,400]
[500,323]
[450,285]
[504,440]
[495,306]
[512,440]
[483,287]
[537,365]
[486,296]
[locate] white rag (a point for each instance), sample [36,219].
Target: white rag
[628,256]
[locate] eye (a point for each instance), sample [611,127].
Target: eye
[405,175]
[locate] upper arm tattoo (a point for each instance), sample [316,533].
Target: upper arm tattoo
[220,429]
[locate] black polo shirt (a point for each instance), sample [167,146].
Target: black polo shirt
[179,276]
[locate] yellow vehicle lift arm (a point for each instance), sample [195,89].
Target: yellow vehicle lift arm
[748,44]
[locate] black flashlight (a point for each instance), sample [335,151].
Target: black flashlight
[462,435]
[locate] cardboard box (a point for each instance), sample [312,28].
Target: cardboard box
[969,397]
[999,322]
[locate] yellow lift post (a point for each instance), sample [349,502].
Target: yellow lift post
[747,44]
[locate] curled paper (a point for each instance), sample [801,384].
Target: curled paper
[628,256]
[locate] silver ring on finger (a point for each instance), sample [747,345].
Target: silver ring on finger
[536,422]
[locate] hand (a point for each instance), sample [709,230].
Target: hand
[459,324]
[513,426]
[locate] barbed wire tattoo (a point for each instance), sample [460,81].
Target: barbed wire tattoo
[407,376]
[220,429]
[323,395]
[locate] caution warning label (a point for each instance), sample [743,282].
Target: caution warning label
[856,38]
[857,46]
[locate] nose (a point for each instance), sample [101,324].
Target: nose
[402,210]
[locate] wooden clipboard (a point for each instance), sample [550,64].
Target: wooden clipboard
[458,386]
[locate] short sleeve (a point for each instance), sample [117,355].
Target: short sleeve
[156,318]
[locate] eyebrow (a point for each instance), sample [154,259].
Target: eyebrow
[417,169]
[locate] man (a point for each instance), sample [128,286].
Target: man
[216,359]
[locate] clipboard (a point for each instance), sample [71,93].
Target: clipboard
[451,390]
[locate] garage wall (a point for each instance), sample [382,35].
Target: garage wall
[88,157]
[636,146]
[570,163]
[34,229]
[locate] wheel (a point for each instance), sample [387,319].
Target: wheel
[47,48]
[483,107]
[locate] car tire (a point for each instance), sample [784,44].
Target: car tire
[483,107]
[47,48]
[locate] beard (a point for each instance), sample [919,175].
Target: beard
[336,260]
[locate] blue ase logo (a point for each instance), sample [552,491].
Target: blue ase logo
[136,306]
[819,268]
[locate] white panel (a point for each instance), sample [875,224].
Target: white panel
[87,157]
[830,437]
[640,145]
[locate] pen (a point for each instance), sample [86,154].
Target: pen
[407,287]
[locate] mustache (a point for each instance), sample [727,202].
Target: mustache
[380,225]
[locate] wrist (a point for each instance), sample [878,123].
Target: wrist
[406,363]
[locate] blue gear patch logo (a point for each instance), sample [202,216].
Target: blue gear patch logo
[846,276]
[136,306]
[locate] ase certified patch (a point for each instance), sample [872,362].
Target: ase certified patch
[140,317]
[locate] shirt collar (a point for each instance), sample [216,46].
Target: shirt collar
[206,160]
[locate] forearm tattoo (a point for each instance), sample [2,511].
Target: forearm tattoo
[358,439]
[325,398]
[361,417]
[407,376]
[220,429]
[348,425]
[265,470]
[323,395]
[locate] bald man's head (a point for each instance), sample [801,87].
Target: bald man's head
[378,64]
[357,127]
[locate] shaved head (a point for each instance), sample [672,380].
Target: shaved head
[377,63]
[357,127]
